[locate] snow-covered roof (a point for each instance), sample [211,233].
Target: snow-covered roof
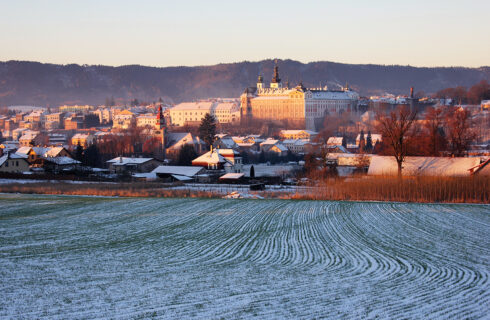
[334,141]
[200,105]
[81,136]
[10,156]
[423,166]
[62,160]
[269,141]
[178,170]
[122,161]
[23,150]
[295,132]
[263,170]
[232,176]
[53,152]
[210,157]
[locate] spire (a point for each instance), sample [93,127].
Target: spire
[275,78]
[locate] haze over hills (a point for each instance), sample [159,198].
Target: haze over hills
[34,83]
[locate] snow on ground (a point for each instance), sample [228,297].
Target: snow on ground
[67,257]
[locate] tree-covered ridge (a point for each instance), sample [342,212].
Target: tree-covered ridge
[34,83]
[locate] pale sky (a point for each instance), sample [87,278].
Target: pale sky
[174,33]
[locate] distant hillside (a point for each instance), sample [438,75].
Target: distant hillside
[33,83]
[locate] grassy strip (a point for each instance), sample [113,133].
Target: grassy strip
[104,189]
[419,189]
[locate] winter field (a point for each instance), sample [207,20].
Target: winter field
[67,257]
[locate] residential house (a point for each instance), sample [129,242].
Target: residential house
[228,160]
[178,173]
[174,141]
[274,146]
[132,165]
[13,163]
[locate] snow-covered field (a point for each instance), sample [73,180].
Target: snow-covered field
[67,257]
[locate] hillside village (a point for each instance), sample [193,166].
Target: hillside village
[239,140]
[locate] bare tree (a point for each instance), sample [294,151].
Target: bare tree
[434,125]
[460,131]
[395,129]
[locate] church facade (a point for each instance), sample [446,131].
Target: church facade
[301,107]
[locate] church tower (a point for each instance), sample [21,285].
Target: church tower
[276,81]
[260,83]
[161,129]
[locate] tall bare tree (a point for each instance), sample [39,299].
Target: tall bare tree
[396,129]
[460,130]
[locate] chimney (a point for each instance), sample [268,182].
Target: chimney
[120,160]
[411,92]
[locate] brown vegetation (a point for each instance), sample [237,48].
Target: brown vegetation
[417,189]
[105,189]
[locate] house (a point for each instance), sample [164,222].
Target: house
[31,138]
[296,145]
[274,146]
[220,159]
[82,139]
[56,164]
[178,173]
[298,134]
[123,120]
[132,165]
[13,163]
[232,177]
[335,141]
[423,166]
[34,153]
[174,141]
[225,143]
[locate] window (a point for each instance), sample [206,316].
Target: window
[16,163]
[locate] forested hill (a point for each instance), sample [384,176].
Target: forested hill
[33,83]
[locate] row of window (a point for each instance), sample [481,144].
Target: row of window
[14,164]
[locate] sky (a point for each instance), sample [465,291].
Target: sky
[176,33]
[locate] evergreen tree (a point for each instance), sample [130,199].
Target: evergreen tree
[262,157]
[362,141]
[252,172]
[186,155]
[79,152]
[91,156]
[369,142]
[207,129]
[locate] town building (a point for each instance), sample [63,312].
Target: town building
[299,106]
[298,134]
[123,120]
[146,120]
[82,139]
[76,108]
[191,113]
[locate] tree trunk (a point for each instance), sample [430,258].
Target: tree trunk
[399,170]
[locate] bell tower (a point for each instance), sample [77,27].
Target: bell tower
[276,81]
[161,129]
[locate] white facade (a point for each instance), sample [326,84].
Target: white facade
[194,112]
[146,120]
[319,103]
